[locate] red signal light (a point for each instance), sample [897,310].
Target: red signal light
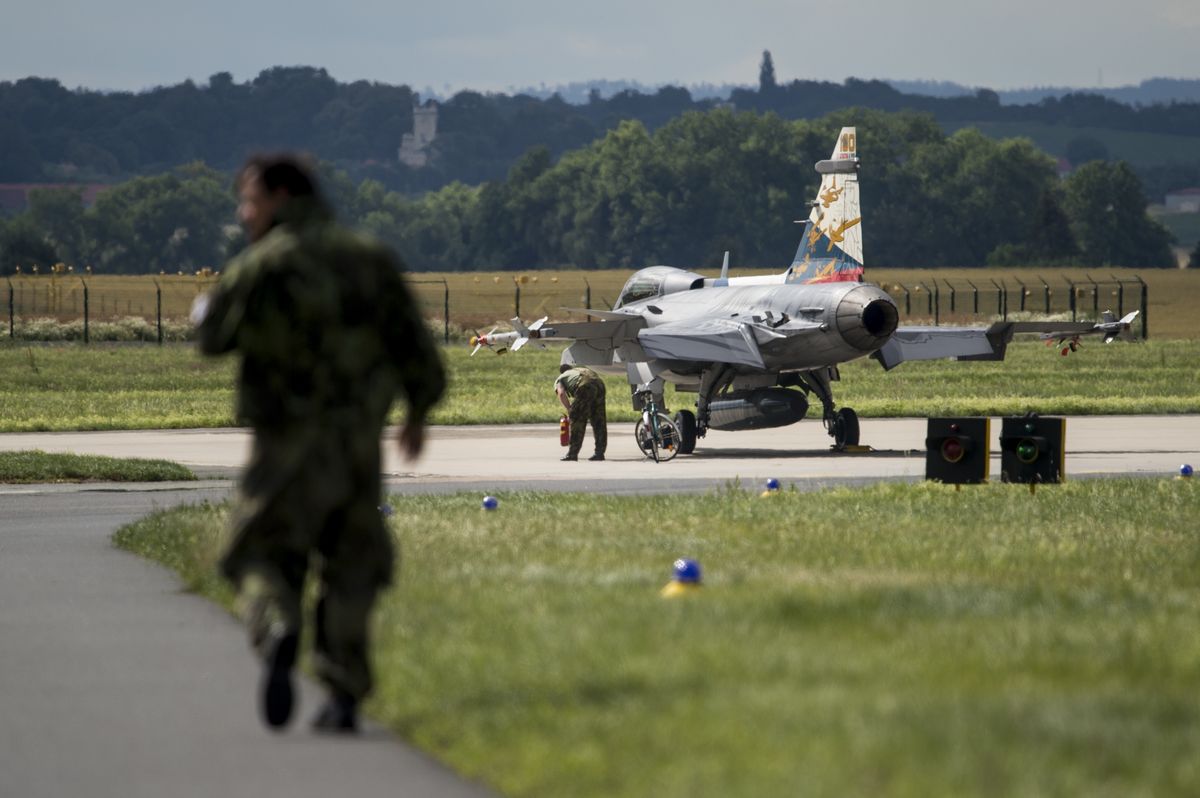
[953,450]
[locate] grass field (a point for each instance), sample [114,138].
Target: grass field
[480,299]
[141,386]
[901,640]
[38,466]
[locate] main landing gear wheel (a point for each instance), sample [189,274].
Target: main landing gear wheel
[845,428]
[685,421]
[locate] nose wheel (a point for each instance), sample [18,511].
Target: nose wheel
[844,428]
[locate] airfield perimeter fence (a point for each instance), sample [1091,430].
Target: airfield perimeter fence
[73,307]
[962,301]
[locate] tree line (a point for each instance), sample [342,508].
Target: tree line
[682,194]
[51,133]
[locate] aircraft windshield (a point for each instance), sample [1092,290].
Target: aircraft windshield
[655,281]
[640,288]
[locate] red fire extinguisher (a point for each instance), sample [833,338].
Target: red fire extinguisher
[564,431]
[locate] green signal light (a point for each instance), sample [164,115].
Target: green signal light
[1027,451]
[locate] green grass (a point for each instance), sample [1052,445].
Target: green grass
[38,466]
[70,387]
[896,640]
[135,386]
[1148,377]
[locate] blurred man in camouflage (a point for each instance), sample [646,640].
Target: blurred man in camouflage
[581,392]
[328,334]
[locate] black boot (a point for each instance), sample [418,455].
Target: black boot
[338,716]
[277,695]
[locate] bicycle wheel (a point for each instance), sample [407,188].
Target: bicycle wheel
[669,439]
[644,435]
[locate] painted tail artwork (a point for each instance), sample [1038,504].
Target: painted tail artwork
[831,247]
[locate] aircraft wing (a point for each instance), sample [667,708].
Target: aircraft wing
[612,330]
[616,330]
[709,341]
[974,343]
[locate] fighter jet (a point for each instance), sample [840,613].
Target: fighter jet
[756,349]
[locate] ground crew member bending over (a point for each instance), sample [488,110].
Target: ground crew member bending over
[581,392]
[328,335]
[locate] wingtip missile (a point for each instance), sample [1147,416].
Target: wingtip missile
[524,333]
[490,340]
[520,335]
[1111,328]
[1117,329]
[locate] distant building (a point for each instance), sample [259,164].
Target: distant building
[14,197]
[415,146]
[1184,200]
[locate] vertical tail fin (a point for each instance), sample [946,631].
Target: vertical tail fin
[831,247]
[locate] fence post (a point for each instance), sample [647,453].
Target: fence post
[587,294]
[445,311]
[12,329]
[1145,307]
[1095,296]
[999,299]
[158,310]
[936,299]
[1120,296]
[1023,292]
[1046,293]
[951,287]
[85,310]
[1071,301]
[517,298]
[975,290]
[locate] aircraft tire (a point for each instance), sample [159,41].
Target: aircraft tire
[845,428]
[685,420]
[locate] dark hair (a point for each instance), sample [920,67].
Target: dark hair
[564,368]
[288,172]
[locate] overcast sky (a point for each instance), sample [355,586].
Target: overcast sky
[453,44]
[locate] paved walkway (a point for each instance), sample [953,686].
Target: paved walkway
[113,682]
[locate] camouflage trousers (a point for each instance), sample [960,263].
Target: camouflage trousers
[588,406]
[310,499]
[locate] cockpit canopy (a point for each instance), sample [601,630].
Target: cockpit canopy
[657,281]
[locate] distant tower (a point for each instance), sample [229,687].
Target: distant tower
[414,147]
[766,73]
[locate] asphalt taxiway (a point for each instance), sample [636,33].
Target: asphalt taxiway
[508,457]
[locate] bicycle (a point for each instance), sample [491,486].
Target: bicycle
[656,434]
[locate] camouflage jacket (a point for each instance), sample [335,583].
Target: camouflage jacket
[326,328]
[572,379]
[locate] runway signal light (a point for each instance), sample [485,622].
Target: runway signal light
[1032,449]
[957,450]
